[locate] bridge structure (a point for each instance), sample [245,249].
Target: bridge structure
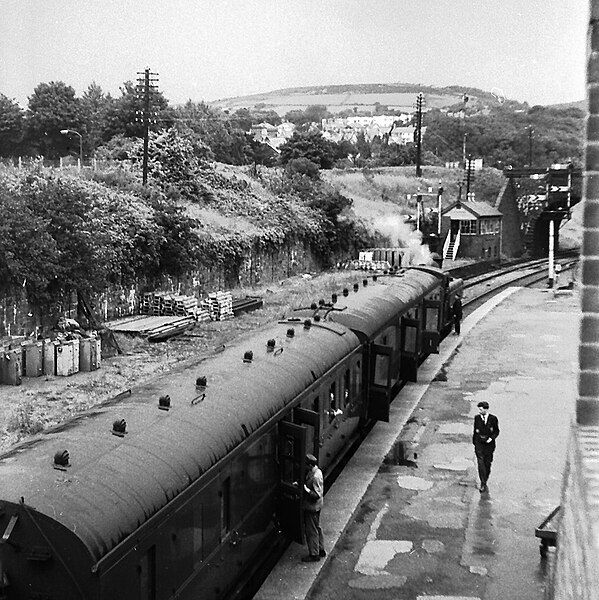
[539,201]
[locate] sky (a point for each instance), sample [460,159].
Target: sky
[526,50]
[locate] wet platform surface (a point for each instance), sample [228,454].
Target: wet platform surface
[419,528]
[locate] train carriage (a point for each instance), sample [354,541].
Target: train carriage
[176,489]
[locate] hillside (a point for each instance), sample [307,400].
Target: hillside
[363,97]
[381,198]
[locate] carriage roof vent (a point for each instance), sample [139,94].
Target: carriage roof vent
[345,292]
[164,402]
[119,428]
[356,287]
[364,282]
[313,306]
[248,356]
[307,324]
[270,345]
[201,381]
[290,332]
[61,460]
[333,298]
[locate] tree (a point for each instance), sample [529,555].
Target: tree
[95,106]
[52,107]
[311,145]
[314,113]
[124,113]
[11,126]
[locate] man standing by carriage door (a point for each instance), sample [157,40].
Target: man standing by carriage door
[457,312]
[486,429]
[312,505]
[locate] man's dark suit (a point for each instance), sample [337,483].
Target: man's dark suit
[483,449]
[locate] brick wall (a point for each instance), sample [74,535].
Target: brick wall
[576,569]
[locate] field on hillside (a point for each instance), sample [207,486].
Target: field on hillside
[283,103]
[382,197]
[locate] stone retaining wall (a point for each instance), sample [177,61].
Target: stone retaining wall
[18,317]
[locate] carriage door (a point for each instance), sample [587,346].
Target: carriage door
[410,348]
[311,420]
[432,325]
[292,456]
[379,383]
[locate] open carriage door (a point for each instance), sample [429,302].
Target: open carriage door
[311,420]
[292,457]
[432,325]
[410,348]
[379,382]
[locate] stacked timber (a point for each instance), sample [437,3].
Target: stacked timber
[165,304]
[219,305]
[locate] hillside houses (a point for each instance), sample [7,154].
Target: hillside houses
[391,127]
[273,135]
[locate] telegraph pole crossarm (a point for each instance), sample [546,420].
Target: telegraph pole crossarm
[145,87]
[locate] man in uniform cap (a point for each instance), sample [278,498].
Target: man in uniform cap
[312,505]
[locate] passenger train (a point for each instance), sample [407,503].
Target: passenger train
[176,489]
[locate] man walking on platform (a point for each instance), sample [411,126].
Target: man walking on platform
[312,505]
[486,429]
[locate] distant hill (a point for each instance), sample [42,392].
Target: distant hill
[363,97]
[580,104]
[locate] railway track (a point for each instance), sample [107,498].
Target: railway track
[524,274]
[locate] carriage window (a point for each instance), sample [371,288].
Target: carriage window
[225,507]
[346,388]
[333,402]
[381,369]
[432,319]
[147,575]
[357,379]
[198,532]
[312,404]
[410,339]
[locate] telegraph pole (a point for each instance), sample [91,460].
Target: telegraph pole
[419,106]
[530,132]
[145,88]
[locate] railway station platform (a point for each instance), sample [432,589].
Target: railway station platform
[415,526]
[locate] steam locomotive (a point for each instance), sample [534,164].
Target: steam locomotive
[176,488]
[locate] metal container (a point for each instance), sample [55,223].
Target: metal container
[89,354]
[33,352]
[11,366]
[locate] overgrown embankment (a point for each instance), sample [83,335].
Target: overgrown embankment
[196,222]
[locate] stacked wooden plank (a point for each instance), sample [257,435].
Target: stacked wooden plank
[165,304]
[220,306]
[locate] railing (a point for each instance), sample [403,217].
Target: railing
[446,244]
[456,245]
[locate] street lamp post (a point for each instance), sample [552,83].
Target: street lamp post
[66,132]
